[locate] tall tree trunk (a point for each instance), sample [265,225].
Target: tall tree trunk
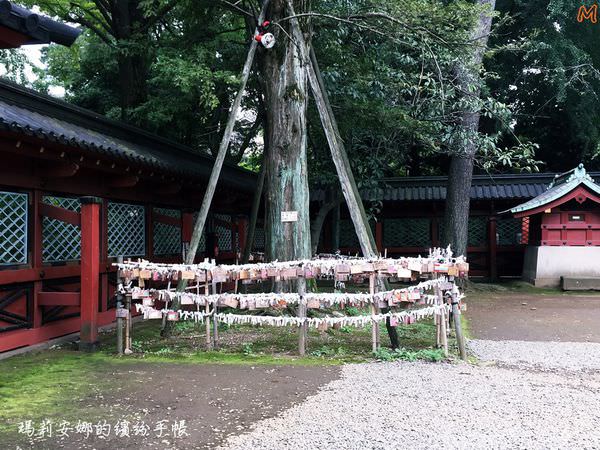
[133,56]
[458,191]
[284,74]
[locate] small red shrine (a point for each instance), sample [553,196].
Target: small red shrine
[564,230]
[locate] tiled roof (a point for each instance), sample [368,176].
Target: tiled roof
[560,186]
[517,187]
[26,112]
[40,29]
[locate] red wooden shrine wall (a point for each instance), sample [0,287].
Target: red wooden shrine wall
[571,228]
[41,299]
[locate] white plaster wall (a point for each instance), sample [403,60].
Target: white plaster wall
[544,265]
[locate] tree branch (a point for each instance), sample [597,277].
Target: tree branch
[234,7]
[86,23]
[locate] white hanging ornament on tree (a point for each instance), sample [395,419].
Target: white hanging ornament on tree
[265,38]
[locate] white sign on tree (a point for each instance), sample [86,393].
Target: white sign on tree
[289,216]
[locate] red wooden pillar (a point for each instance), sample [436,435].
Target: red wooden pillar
[187,226]
[493,244]
[104,263]
[36,258]
[90,272]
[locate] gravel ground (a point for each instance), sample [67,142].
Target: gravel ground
[423,405]
[574,356]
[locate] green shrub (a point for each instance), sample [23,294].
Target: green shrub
[385,354]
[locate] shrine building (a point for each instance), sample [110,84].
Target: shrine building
[564,230]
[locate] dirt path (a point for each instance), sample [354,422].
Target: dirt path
[534,317]
[215,401]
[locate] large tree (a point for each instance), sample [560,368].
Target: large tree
[127,28]
[284,76]
[464,142]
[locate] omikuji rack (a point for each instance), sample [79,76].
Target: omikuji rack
[436,290]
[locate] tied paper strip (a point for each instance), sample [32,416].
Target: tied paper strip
[196,316]
[283,321]
[354,321]
[326,266]
[327,299]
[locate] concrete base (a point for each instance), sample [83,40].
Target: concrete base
[545,266]
[580,284]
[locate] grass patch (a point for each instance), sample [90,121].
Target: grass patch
[433,355]
[250,344]
[51,384]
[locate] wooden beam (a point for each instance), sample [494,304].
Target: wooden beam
[168,189]
[492,245]
[187,221]
[59,299]
[125,181]
[64,215]
[57,170]
[19,338]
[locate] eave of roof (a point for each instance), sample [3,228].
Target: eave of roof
[559,188]
[40,29]
[516,187]
[24,111]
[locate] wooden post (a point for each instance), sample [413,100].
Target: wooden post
[207,310]
[379,236]
[242,227]
[119,306]
[37,257]
[374,311]
[302,314]
[436,318]
[443,322]
[215,323]
[435,231]
[187,224]
[460,339]
[150,233]
[128,330]
[493,244]
[90,272]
